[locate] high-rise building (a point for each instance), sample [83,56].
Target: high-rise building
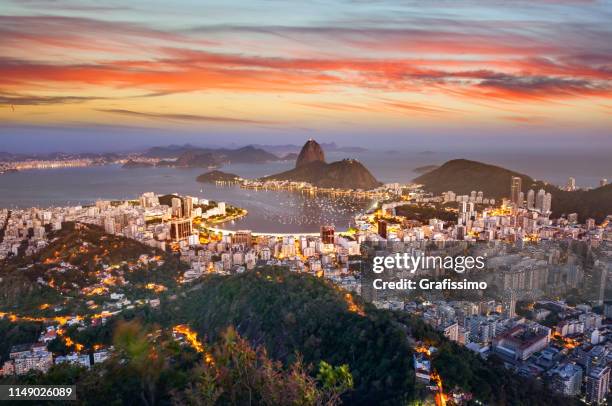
[180,229]
[327,234]
[539,204]
[509,303]
[109,225]
[382,228]
[177,210]
[547,203]
[515,190]
[567,379]
[242,237]
[221,207]
[597,385]
[149,199]
[603,182]
[531,199]
[187,207]
[571,184]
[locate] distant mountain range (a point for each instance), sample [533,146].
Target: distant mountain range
[312,168]
[189,156]
[292,148]
[282,152]
[462,176]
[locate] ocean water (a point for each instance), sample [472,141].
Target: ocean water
[273,211]
[269,211]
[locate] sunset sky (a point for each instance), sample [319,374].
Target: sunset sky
[109,74]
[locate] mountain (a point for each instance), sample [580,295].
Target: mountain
[311,167]
[311,152]
[193,157]
[290,313]
[28,281]
[197,158]
[462,176]
[284,149]
[136,164]
[170,151]
[292,156]
[248,155]
[345,174]
[425,168]
[217,176]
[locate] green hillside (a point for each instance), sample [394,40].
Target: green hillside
[462,176]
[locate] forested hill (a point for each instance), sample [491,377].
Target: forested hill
[463,176]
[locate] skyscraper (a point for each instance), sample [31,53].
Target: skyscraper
[531,199]
[176,207]
[180,229]
[382,228]
[547,203]
[597,385]
[571,184]
[540,200]
[509,303]
[327,234]
[242,237]
[515,190]
[603,182]
[187,206]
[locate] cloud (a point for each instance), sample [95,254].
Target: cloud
[524,119]
[462,57]
[48,34]
[27,100]
[185,117]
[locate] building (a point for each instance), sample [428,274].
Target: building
[177,210]
[187,207]
[567,379]
[422,367]
[520,342]
[547,204]
[31,357]
[242,237]
[109,225]
[597,385]
[531,199]
[571,184]
[382,228]
[509,303]
[539,204]
[608,310]
[180,229]
[451,331]
[515,190]
[327,234]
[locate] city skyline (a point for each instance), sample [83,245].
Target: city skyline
[78,74]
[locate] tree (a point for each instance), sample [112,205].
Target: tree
[134,345]
[233,372]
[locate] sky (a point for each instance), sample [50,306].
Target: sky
[81,75]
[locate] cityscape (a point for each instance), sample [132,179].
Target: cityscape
[547,318]
[283,203]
